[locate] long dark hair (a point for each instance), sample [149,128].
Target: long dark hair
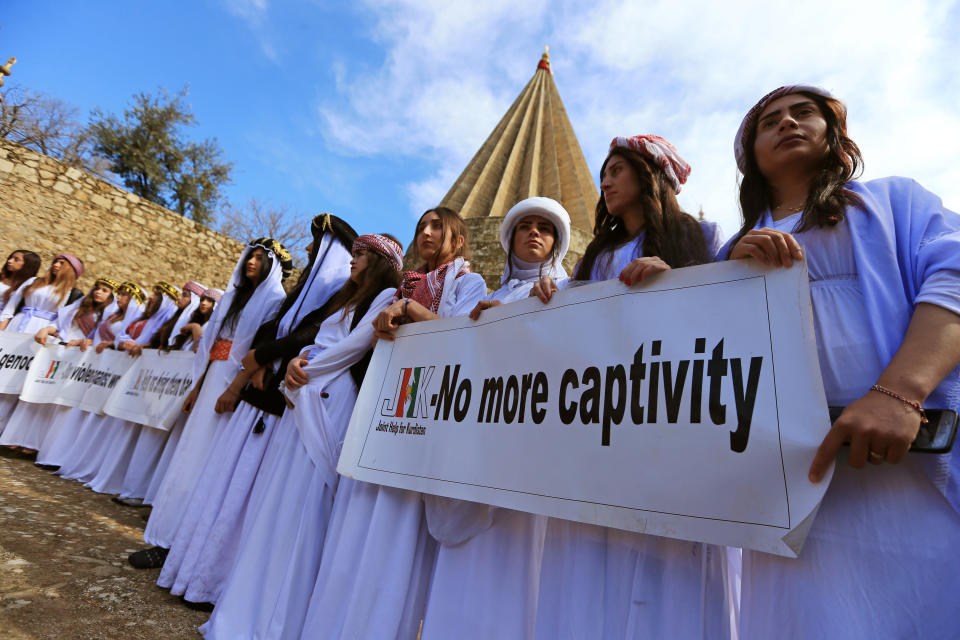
[828,197]
[153,305]
[552,258]
[450,221]
[246,287]
[30,267]
[164,344]
[669,232]
[378,275]
[87,305]
[162,335]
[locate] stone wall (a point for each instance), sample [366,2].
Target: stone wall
[51,208]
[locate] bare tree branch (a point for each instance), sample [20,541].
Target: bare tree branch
[257,218]
[50,126]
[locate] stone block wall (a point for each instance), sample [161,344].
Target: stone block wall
[51,208]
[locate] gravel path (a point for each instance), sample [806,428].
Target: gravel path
[63,568]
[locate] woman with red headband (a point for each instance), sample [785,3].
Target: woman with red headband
[378,541]
[599,582]
[883,257]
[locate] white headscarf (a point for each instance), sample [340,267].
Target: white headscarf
[167,308]
[525,272]
[329,272]
[133,311]
[261,306]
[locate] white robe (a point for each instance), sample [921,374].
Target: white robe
[267,592]
[598,582]
[880,560]
[487,586]
[170,502]
[41,307]
[207,538]
[378,556]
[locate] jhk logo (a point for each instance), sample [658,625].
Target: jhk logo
[410,398]
[52,371]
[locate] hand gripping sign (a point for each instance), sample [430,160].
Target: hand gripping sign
[688,407]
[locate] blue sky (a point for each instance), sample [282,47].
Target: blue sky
[371,109]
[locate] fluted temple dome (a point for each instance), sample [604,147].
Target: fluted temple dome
[531,152]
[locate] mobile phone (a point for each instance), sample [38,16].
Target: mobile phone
[935,436]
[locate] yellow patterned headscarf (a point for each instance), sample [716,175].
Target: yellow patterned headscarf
[168,290]
[110,283]
[133,290]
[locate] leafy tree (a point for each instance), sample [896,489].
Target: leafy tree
[50,126]
[147,151]
[257,218]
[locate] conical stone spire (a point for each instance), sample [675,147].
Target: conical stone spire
[531,152]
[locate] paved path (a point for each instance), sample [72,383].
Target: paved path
[63,568]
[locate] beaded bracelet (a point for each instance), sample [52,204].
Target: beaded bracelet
[910,403]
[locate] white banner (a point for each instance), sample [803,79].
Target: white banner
[16,354]
[74,378]
[156,383]
[49,373]
[688,407]
[97,377]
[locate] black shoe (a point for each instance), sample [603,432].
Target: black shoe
[136,503]
[152,558]
[49,467]
[198,606]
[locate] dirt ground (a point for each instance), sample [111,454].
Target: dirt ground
[63,568]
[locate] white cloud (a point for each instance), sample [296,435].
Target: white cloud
[685,71]
[254,14]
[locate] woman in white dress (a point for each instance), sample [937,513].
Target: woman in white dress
[378,556]
[34,305]
[30,423]
[207,538]
[599,582]
[880,560]
[268,590]
[487,574]
[254,294]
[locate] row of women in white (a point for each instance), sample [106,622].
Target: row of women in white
[258,522]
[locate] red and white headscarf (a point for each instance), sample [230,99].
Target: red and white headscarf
[383,246]
[428,288]
[195,288]
[750,120]
[213,294]
[664,154]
